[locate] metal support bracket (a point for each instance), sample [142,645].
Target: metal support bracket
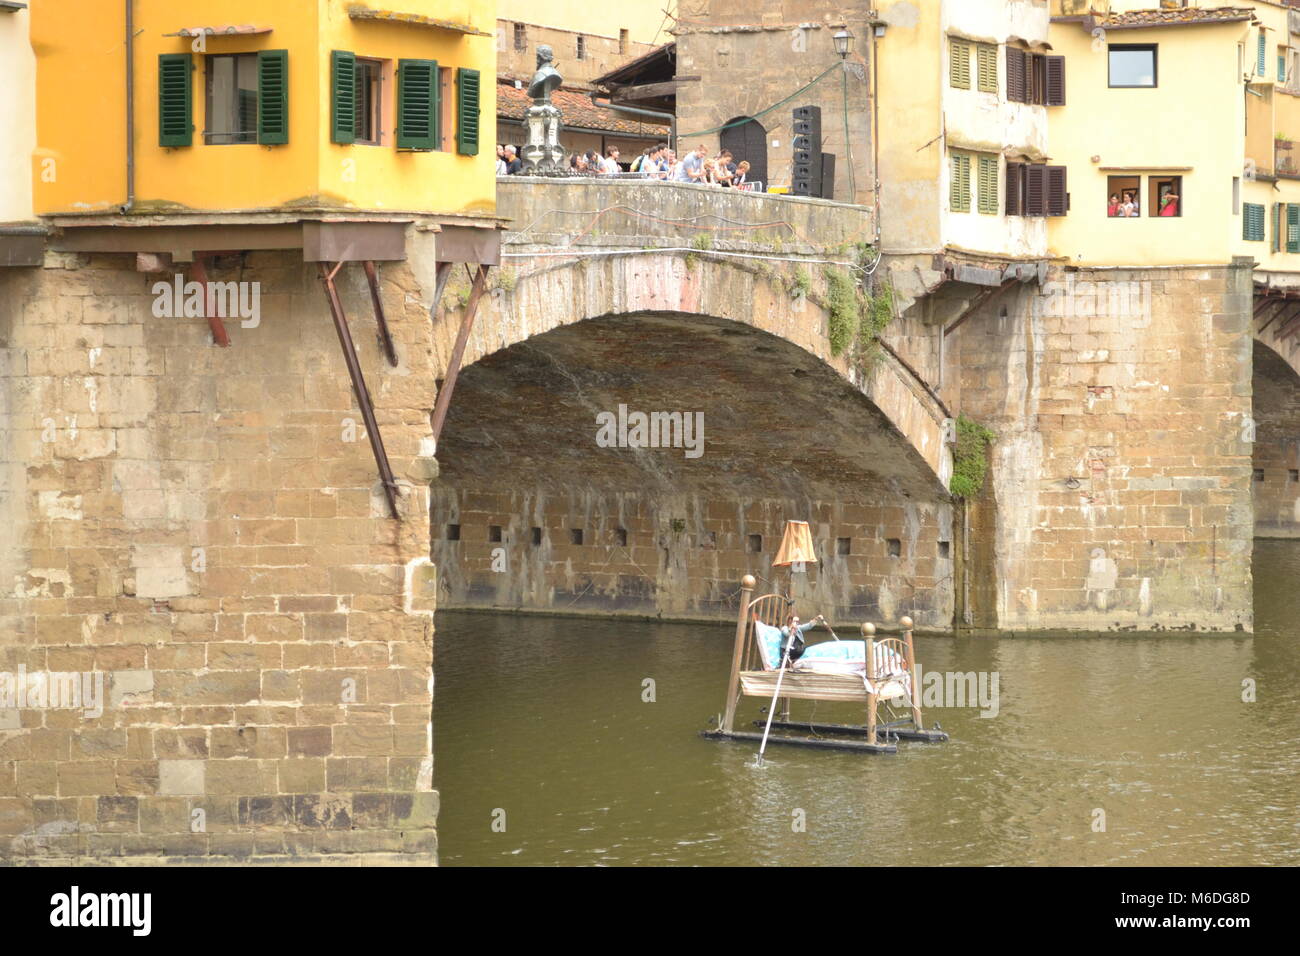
[458,351]
[200,273]
[359,384]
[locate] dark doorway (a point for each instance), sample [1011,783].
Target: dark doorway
[748,140]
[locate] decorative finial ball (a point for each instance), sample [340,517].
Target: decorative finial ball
[906,622]
[748,582]
[868,629]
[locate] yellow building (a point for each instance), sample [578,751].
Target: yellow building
[1177,133]
[239,105]
[21,239]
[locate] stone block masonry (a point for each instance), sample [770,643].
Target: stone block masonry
[202,528]
[1122,469]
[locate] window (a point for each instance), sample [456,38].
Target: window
[1034,78]
[494,534]
[446,119]
[1236,195]
[521,37]
[366,125]
[620,537]
[232,99]
[537,536]
[1253,222]
[1261,54]
[622,42]
[582,47]
[1124,197]
[1281,64]
[1132,65]
[575,536]
[467,111]
[1034,189]
[453,532]
[894,547]
[959,64]
[986,63]
[987,181]
[945,550]
[417,104]
[959,186]
[1166,196]
[843,546]
[1292,227]
[755,543]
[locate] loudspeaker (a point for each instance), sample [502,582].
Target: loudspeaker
[807,171]
[828,176]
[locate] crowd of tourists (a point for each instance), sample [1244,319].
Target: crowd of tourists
[654,162]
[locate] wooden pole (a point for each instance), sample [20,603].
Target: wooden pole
[868,631]
[747,584]
[906,622]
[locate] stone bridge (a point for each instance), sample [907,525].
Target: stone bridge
[685,300]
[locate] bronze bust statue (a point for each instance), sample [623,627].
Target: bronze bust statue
[547,78]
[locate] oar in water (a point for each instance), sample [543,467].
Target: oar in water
[780,674]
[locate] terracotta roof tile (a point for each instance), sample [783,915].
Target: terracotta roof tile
[1179,17]
[577,111]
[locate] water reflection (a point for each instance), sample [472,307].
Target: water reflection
[544,719]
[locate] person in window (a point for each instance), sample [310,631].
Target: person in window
[1112,207]
[1130,208]
[1169,204]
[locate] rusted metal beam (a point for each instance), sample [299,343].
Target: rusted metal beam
[1289,325]
[359,386]
[458,353]
[385,340]
[200,273]
[441,276]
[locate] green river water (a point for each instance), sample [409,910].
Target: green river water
[547,754]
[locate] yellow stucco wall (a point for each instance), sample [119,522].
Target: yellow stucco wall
[909,74]
[1191,124]
[17,117]
[309,170]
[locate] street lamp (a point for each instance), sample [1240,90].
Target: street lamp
[843,42]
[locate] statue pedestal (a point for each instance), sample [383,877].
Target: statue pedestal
[542,155]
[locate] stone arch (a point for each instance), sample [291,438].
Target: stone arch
[553,294]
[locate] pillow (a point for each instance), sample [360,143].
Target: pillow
[769,644]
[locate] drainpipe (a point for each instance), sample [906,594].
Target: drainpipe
[130,106]
[875,130]
[641,111]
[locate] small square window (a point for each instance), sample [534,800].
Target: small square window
[1294,474]
[1132,65]
[843,545]
[494,533]
[1166,196]
[945,550]
[575,536]
[894,547]
[537,536]
[755,543]
[1259,474]
[620,536]
[453,532]
[1124,197]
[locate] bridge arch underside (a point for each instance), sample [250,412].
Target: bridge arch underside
[536,509]
[1275,453]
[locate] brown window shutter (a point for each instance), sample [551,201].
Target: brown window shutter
[1015,189]
[1058,200]
[1036,67]
[1016,75]
[1035,190]
[1056,81]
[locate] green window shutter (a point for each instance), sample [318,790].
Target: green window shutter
[467,84]
[1292,227]
[1281,67]
[273,97]
[343,96]
[988,185]
[986,56]
[417,104]
[175,99]
[1259,67]
[959,64]
[1253,222]
[959,190]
